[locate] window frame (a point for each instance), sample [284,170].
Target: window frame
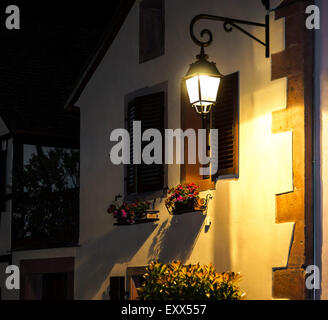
[156,192]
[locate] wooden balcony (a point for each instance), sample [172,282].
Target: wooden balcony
[47,221]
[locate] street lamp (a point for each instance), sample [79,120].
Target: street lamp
[203,81]
[203,78]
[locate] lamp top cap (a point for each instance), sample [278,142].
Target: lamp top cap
[203,67]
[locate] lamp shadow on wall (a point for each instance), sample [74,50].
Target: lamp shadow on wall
[101,255]
[176,238]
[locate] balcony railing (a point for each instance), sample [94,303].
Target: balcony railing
[49,220]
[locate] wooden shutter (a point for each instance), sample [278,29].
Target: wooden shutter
[131,170]
[225,118]
[150,111]
[190,119]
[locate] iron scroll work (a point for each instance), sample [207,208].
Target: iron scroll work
[229,24]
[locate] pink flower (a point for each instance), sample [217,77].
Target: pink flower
[124,214]
[179,198]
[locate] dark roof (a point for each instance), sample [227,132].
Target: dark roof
[119,15]
[45,66]
[38,68]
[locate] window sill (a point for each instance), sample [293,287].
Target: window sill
[147,196]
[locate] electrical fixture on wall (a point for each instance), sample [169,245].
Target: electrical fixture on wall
[203,78]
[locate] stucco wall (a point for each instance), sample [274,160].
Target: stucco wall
[243,236]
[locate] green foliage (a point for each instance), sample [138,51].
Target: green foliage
[175,281]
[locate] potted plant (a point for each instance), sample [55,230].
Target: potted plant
[129,213]
[175,281]
[185,198]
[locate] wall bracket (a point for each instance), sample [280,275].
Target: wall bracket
[229,24]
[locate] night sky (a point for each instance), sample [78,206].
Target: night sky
[71,13]
[42,63]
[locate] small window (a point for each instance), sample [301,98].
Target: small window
[149,110]
[151,34]
[135,280]
[47,279]
[117,288]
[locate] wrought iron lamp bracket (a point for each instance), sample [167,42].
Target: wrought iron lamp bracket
[208,198]
[229,24]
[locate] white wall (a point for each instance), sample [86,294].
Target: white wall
[243,236]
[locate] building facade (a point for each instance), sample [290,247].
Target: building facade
[260,221]
[259,216]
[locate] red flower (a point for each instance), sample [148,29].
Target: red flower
[111,208]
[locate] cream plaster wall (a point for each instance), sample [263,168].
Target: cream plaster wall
[243,236]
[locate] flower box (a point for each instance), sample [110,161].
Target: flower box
[146,217]
[185,198]
[133,213]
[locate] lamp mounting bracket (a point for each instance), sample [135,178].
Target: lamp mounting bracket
[229,24]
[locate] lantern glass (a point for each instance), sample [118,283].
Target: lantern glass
[202,91]
[209,88]
[203,81]
[193,89]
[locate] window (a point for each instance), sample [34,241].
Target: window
[151,34]
[45,198]
[150,111]
[117,288]
[47,279]
[135,280]
[225,118]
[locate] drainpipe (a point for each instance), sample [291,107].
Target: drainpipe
[316,135]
